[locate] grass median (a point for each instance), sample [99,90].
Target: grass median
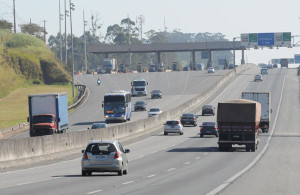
[14,107]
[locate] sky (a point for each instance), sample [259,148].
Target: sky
[229,17]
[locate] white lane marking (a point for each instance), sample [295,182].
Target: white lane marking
[170,169]
[21,184]
[128,182]
[151,176]
[237,175]
[197,158]
[153,152]
[94,192]
[186,163]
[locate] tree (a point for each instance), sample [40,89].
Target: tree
[33,29]
[4,24]
[95,25]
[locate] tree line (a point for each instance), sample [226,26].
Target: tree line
[127,31]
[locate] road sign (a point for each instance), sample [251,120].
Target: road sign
[297,58]
[287,36]
[253,37]
[265,39]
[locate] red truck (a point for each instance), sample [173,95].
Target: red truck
[238,123]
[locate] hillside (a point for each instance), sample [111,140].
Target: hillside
[26,60]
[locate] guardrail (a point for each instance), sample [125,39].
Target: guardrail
[36,149]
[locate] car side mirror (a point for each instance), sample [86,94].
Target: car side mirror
[164,124]
[58,119]
[271,110]
[131,83]
[82,151]
[88,128]
[28,119]
[102,105]
[127,151]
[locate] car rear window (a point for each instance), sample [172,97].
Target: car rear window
[154,110]
[187,116]
[101,148]
[140,103]
[207,106]
[172,123]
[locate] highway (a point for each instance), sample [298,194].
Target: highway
[184,164]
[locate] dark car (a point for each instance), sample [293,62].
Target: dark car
[188,119]
[275,66]
[156,94]
[209,128]
[186,68]
[208,110]
[140,105]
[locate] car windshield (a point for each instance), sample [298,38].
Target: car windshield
[187,116]
[156,91]
[98,125]
[172,122]
[154,110]
[140,103]
[43,119]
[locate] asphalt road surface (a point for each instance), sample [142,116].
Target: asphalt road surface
[189,164]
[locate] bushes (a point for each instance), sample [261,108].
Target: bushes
[52,73]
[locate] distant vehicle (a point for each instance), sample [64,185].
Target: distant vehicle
[284,62]
[264,71]
[156,94]
[151,69]
[88,72]
[231,66]
[140,105]
[186,68]
[209,128]
[139,87]
[98,126]
[48,114]
[188,119]
[98,81]
[104,156]
[275,66]
[175,66]
[100,71]
[173,126]
[238,123]
[211,70]
[258,77]
[117,106]
[200,66]
[109,65]
[270,66]
[208,110]
[264,98]
[154,111]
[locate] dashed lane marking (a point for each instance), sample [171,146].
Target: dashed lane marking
[94,192]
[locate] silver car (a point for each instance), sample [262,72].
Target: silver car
[104,156]
[173,126]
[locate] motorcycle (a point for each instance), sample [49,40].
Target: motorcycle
[98,82]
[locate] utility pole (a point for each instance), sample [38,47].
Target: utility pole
[60,37]
[84,36]
[44,30]
[66,46]
[141,21]
[15,28]
[72,8]
[128,31]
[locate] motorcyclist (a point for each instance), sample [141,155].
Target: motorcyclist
[99,81]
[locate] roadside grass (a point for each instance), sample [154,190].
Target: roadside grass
[14,107]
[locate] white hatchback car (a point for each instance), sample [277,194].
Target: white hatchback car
[211,70]
[173,126]
[104,156]
[154,111]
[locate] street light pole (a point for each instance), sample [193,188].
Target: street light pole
[72,8]
[60,38]
[85,59]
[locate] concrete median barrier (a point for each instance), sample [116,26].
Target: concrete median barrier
[24,151]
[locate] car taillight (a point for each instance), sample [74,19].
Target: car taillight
[178,122]
[117,155]
[201,128]
[215,128]
[85,156]
[194,118]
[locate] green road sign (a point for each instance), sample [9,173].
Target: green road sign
[253,37]
[286,36]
